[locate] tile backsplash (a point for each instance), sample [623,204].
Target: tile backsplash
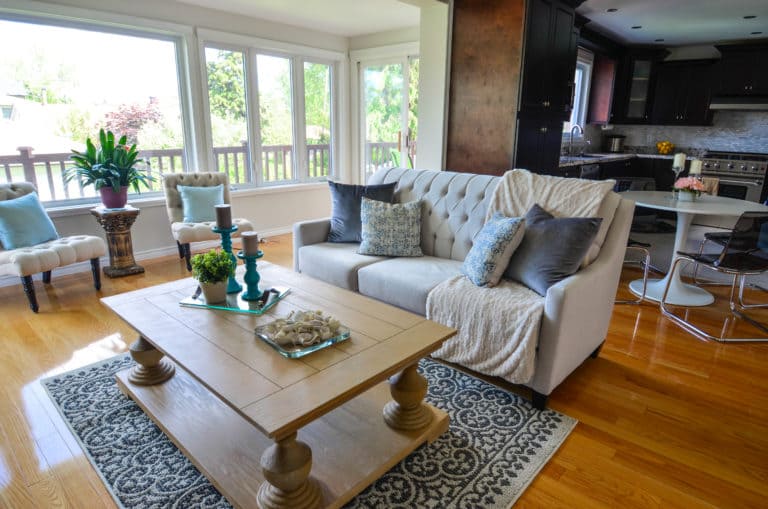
[733,131]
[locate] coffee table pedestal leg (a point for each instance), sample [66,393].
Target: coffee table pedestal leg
[151,366]
[286,465]
[407,411]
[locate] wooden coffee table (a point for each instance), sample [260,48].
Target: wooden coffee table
[274,432]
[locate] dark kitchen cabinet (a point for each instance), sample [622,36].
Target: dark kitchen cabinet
[743,70]
[616,169]
[549,62]
[633,91]
[538,140]
[682,93]
[601,90]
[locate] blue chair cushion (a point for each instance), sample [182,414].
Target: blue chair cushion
[24,223]
[199,203]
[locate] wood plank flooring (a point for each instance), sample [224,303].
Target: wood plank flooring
[666,420]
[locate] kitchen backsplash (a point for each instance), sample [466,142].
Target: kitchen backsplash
[733,131]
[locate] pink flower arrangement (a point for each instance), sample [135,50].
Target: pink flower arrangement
[689,184]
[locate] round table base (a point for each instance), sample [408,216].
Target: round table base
[680,294]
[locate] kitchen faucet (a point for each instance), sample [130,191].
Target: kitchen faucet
[570,141]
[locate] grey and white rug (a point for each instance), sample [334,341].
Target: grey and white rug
[495,446]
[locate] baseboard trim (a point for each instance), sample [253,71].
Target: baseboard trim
[148,254]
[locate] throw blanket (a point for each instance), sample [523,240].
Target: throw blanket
[498,327]
[519,190]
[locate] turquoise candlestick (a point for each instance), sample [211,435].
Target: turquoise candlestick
[252,276]
[226,244]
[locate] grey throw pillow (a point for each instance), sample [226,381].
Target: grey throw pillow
[552,248]
[345,206]
[390,229]
[492,248]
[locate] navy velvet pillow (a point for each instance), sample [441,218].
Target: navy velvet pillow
[552,248]
[345,201]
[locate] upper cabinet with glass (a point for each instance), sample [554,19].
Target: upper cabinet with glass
[634,86]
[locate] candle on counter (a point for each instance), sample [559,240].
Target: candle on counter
[679,161]
[695,167]
[250,243]
[223,217]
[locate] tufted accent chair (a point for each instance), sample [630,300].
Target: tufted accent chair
[185,233]
[26,261]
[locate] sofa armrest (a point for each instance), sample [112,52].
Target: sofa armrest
[577,310]
[306,233]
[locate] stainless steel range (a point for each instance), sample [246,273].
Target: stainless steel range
[742,175]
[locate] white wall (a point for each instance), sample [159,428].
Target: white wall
[433,60]
[384,38]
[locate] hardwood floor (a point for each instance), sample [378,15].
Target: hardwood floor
[666,420]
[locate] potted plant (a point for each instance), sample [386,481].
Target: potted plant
[688,188]
[212,271]
[110,168]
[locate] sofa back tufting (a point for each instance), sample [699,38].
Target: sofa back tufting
[453,206]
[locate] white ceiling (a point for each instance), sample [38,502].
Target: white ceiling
[341,17]
[678,22]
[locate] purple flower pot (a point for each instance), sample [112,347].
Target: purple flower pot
[114,200]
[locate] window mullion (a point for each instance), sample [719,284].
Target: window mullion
[301,164]
[254,117]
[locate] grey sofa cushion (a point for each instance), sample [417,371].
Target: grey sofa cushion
[405,282]
[337,264]
[345,206]
[552,248]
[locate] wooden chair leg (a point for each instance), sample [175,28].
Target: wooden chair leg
[29,289]
[96,271]
[181,249]
[47,277]
[188,256]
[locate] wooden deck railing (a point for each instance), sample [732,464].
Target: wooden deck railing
[46,171]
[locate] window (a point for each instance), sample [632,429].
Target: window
[581,80]
[276,127]
[65,83]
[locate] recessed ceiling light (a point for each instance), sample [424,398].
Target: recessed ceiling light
[636,27]
[611,10]
[750,17]
[755,33]
[658,40]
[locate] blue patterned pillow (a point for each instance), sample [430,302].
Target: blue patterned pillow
[390,229]
[492,249]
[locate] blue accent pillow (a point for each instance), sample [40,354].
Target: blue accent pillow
[23,222]
[492,248]
[345,202]
[199,202]
[552,248]
[390,229]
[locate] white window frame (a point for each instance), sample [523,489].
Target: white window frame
[585,61]
[297,55]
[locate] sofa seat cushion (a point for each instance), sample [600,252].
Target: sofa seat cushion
[184,233]
[335,263]
[406,282]
[47,256]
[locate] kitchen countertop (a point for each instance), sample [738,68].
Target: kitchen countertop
[606,157]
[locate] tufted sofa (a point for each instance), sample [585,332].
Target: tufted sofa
[577,310]
[186,233]
[43,258]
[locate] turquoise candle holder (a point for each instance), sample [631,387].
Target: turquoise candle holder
[226,244]
[251,277]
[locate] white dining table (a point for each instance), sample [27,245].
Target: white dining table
[683,294]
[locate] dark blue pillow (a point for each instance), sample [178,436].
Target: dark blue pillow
[345,202]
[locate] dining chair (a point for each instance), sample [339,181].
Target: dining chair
[744,253]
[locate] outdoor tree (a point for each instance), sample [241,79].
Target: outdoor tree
[128,119]
[226,85]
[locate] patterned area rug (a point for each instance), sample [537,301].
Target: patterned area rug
[495,446]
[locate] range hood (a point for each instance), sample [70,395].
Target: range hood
[739,103]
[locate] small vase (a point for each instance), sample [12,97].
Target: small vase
[686,196]
[214,293]
[114,200]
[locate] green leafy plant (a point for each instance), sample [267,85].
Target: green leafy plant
[212,267]
[112,164]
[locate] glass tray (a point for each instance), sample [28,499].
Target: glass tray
[236,304]
[294,352]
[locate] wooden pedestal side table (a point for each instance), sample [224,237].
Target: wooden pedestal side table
[117,225]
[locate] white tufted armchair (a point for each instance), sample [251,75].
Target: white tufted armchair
[185,233]
[26,261]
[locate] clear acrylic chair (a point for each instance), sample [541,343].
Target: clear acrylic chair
[744,253]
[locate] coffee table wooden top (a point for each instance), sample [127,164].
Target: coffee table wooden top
[276,394]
